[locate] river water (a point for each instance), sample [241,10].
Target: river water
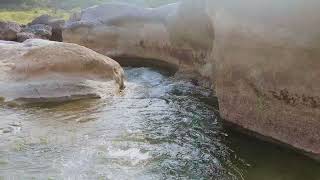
[157,128]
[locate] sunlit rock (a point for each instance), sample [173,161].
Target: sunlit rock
[40,70]
[267,68]
[168,36]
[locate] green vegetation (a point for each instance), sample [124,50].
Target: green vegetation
[24,11]
[3,162]
[25,16]
[71,4]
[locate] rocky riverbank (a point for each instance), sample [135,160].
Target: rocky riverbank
[265,75]
[43,27]
[264,69]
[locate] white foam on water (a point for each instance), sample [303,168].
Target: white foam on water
[134,155]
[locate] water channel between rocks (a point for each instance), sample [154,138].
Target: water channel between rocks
[158,128]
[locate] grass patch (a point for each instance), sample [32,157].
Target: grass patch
[26,16]
[63,9]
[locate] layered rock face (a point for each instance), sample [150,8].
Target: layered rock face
[50,67]
[262,58]
[267,69]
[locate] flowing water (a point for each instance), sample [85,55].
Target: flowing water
[157,128]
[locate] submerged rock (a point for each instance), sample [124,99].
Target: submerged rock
[40,69]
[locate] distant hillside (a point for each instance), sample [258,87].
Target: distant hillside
[72,4]
[24,11]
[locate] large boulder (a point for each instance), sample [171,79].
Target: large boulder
[48,20]
[22,36]
[267,69]
[156,36]
[40,69]
[9,30]
[55,23]
[41,31]
[262,57]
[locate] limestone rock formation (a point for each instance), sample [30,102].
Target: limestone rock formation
[40,69]
[160,36]
[263,62]
[267,69]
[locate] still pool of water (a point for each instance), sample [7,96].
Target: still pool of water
[158,128]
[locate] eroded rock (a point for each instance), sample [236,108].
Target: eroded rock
[122,30]
[265,68]
[38,69]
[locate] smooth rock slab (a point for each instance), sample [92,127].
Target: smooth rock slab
[159,35]
[45,69]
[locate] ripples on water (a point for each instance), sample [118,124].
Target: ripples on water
[158,128]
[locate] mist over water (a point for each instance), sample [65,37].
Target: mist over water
[293,21]
[297,17]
